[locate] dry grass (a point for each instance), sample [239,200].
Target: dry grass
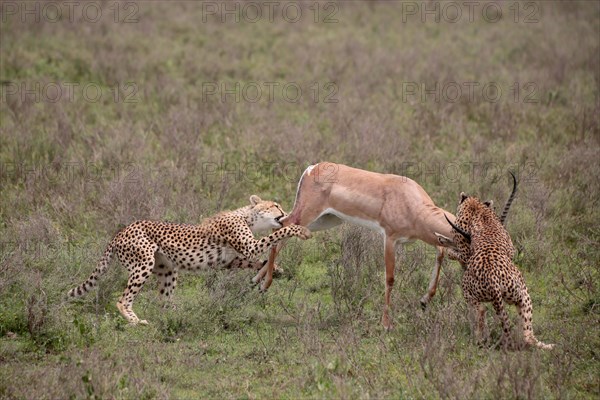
[73,171]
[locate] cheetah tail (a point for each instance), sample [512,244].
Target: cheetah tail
[92,280]
[509,201]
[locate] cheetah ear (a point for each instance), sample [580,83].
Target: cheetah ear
[254,200]
[463,196]
[489,203]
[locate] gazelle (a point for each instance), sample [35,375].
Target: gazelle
[398,207]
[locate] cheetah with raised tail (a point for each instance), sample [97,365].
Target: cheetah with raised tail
[161,248]
[490,274]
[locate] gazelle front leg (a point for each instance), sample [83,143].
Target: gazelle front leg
[390,263]
[298,216]
[269,267]
[435,276]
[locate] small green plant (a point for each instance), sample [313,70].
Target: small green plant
[88,385]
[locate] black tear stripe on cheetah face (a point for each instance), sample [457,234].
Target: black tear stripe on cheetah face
[490,274]
[162,248]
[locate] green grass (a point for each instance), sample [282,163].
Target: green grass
[74,171]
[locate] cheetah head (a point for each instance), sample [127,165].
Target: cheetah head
[469,207]
[264,214]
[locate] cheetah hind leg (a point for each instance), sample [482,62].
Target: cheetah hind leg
[166,275]
[506,340]
[125,303]
[477,321]
[525,312]
[137,277]
[482,334]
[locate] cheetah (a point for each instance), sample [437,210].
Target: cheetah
[490,274]
[162,248]
[459,249]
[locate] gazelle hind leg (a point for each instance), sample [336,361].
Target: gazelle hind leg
[390,263]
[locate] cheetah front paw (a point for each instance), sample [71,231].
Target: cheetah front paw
[303,232]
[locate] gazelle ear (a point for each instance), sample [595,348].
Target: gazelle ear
[445,241]
[489,203]
[463,196]
[254,200]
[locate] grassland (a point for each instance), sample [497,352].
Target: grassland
[172,137]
